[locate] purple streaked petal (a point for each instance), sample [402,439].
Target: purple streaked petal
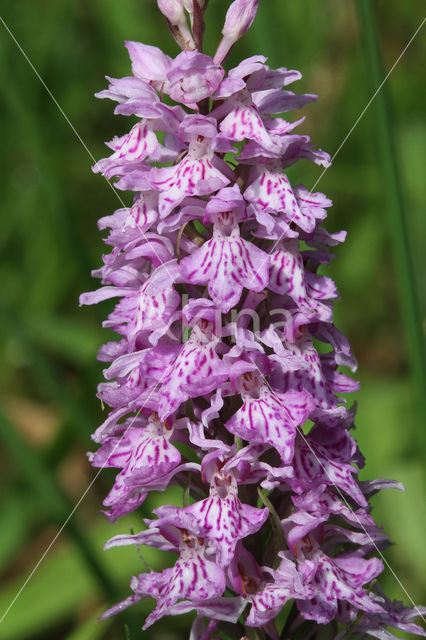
[191,177]
[271,192]
[193,577]
[227,263]
[288,277]
[245,123]
[224,518]
[270,418]
[197,370]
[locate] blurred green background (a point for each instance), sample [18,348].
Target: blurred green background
[49,207]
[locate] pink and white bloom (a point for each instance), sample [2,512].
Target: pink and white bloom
[216,384]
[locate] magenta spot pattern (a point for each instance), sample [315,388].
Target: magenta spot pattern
[216,383]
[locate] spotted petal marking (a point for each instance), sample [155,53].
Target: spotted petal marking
[191,177]
[224,518]
[288,277]
[193,577]
[245,123]
[136,146]
[227,263]
[322,502]
[271,418]
[122,499]
[196,371]
[313,465]
[144,455]
[144,311]
[271,192]
[143,213]
[312,378]
[268,601]
[336,579]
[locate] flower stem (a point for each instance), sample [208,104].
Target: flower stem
[290,619]
[277,530]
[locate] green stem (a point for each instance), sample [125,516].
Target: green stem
[232,631]
[395,203]
[292,615]
[187,491]
[277,529]
[253,633]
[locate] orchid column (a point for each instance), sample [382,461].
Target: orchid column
[221,310]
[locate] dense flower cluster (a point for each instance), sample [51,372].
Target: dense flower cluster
[220,315]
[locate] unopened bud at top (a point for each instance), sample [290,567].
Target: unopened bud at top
[239,18]
[173,10]
[189,5]
[238,21]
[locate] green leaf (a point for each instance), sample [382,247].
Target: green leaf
[200,227]
[393,196]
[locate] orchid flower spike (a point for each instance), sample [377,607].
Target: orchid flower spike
[215,383]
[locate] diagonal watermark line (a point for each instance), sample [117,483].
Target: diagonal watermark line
[343,498]
[80,500]
[379,88]
[80,139]
[63,526]
[64,115]
[351,130]
[165,373]
[345,139]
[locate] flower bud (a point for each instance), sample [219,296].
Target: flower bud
[238,21]
[189,5]
[173,10]
[239,18]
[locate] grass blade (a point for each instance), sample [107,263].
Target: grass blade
[393,195]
